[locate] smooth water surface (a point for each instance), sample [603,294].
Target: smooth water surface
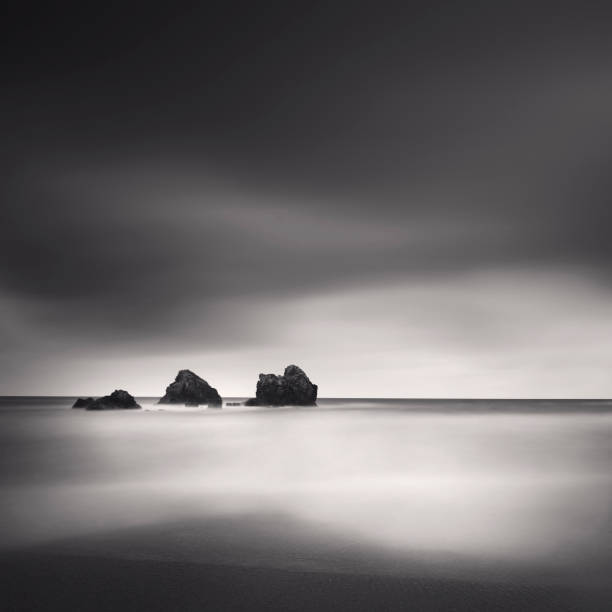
[516,482]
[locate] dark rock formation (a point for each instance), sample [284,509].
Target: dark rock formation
[117,400]
[189,388]
[293,388]
[83,402]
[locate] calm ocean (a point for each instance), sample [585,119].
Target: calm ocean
[476,490]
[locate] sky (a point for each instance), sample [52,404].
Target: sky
[405,199]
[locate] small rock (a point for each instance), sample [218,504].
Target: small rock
[83,402]
[117,400]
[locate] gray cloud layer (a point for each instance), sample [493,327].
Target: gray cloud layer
[208,158]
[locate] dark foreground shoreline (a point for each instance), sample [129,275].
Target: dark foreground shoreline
[66,582]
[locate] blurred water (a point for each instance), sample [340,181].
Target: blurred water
[513,480]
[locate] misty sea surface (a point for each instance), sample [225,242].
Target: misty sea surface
[471,490]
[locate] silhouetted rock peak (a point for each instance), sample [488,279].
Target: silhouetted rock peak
[117,400]
[83,402]
[189,388]
[293,388]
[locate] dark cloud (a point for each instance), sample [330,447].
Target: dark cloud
[160,158]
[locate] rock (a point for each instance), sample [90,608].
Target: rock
[192,404]
[293,388]
[190,388]
[83,402]
[117,400]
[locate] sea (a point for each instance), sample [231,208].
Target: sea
[511,497]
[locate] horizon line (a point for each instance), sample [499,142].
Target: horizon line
[408,399]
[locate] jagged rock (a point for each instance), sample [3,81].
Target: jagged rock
[293,388]
[190,388]
[83,402]
[117,400]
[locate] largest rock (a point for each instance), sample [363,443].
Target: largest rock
[293,388]
[191,389]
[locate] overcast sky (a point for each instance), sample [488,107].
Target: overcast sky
[403,199]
